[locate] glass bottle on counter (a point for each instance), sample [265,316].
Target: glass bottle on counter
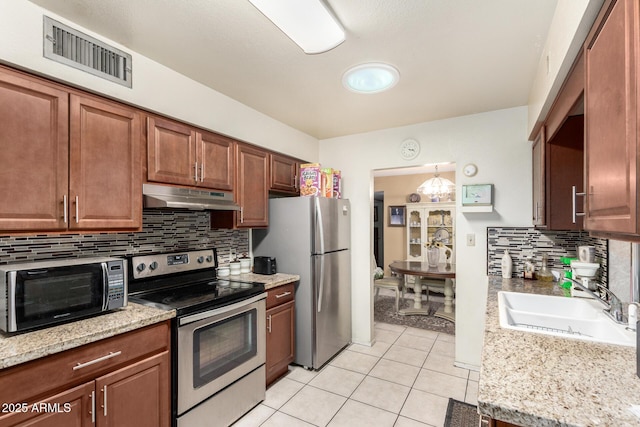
[545,274]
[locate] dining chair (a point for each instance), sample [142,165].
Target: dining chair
[394,283]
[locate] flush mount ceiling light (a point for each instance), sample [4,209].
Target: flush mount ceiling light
[307,22]
[370,78]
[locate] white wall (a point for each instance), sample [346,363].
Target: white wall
[497,143]
[571,23]
[155,87]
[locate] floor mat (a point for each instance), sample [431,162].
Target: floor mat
[461,414]
[384,311]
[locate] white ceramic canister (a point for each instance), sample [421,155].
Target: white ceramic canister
[507,265]
[245,265]
[234,267]
[223,271]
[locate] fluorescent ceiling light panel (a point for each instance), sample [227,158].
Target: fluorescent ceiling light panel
[307,22]
[370,78]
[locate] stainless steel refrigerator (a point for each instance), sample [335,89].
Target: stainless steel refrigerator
[310,236]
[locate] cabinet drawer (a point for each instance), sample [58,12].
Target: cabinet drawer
[62,370]
[280,295]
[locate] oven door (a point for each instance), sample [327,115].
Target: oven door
[218,347]
[47,296]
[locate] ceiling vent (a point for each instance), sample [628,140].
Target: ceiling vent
[73,48]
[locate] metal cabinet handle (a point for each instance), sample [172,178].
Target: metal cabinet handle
[269,323]
[283,295]
[93,407]
[295,181]
[201,172]
[64,208]
[575,194]
[77,210]
[195,167]
[98,360]
[241,215]
[104,400]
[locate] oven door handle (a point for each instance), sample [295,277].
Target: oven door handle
[222,310]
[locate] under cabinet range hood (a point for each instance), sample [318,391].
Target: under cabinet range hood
[164,196]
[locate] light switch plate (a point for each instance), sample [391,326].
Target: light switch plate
[471,239]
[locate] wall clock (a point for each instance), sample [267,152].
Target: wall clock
[409,149]
[470,169]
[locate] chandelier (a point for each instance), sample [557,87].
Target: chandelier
[437,188]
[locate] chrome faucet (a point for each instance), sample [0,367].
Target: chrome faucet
[613,306]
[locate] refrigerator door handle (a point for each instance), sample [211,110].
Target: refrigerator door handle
[321,237]
[320,223]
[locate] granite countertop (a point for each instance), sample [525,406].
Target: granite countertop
[270,280]
[20,348]
[531,379]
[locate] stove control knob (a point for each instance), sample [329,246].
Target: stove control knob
[153,265]
[200,259]
[209,258]
[140,267]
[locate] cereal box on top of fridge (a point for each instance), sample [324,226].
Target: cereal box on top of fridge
[337,184]
[327,182]
[310,180]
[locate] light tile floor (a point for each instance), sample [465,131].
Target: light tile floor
[404,380]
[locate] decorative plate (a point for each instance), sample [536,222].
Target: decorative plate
[414,197]
[442,234]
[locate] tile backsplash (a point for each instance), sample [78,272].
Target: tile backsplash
[163,231]
[556,244]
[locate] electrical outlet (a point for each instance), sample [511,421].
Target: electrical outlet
[471,239]
[527,253]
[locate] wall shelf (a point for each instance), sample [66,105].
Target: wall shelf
[476,209]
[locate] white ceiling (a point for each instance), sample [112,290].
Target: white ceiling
[456,57]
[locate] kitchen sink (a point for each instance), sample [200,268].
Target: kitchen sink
[574,318]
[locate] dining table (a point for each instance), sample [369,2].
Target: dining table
[419,269]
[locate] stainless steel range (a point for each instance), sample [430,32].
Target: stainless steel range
[218,336]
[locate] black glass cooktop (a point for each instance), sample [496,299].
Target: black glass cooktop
[186,299]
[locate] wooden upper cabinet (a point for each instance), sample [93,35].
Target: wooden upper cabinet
[105,182]
[611,115]
[34,136]
[284,174]
[216,157]
[252,187]
[171,152]
[564,160]
[180,154]
[538,156]
[558,157]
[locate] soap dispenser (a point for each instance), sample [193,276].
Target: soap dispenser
[507,265]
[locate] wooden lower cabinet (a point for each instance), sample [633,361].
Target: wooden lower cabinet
[80,387]
[136,395]
[281,320]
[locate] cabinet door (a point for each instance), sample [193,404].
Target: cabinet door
[216,160]
[565,164]
[171,152]
[415,234]
[538,159]
[280,340]
[70,408]
[253,187]
[284,174]
[105,182]
[34,120]
[137,395]
[611,120]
